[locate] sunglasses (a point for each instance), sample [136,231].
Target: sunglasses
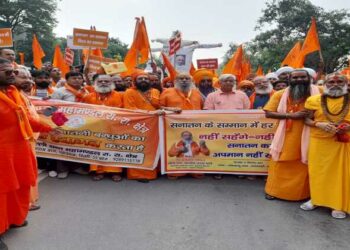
[10,72]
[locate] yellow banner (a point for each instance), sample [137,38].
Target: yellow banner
[231,142]
[100,135]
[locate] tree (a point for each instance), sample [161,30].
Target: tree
[116,49]
[290,20]
[26,18]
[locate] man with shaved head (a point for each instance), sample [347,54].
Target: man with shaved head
[329,151]
[263,92]
[288,172]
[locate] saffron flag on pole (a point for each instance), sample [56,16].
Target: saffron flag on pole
[38,53]
[59,62]
[234,65]
[292,58]
[140,47]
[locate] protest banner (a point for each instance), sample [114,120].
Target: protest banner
[70,44]
[94,62]
[90,38]
[211,63]
[228,142]
[100,135]
[6,38]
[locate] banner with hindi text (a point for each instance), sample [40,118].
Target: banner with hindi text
[228,142]
[101,135]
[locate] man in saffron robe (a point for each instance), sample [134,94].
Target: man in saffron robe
[18,169]
[287,172]
[141,97]
[329,151]
[183,96]
[105,94]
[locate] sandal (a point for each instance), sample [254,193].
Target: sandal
[116,178]
[98,177]
[308,206]
[269,197]
[336,214]
[34,207]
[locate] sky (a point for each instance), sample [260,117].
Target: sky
[205,21]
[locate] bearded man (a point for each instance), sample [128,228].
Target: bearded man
[263,90]
[203,79]
[288,172]
[105,95]
[329,151]
[141,97]
[18,168]
[118,83]
[183,96]
[42,87]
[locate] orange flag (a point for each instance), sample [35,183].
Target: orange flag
[139,47]
[59,62]
[169,66]
[292,59]
[21,58]
[246,68]
[38,53]
[311,43]
[234,65]
[259,71]
[95,52]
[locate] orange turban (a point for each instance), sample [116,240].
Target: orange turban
[199,74]
[245,83]
[138,72]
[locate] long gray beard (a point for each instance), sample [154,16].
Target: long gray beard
[104,90]
[335,91]
[179,87]
[299,91]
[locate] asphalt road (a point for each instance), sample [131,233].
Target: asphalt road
[78,213]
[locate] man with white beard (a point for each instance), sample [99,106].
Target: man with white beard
[263,92]
[105,95]
[288,171]
[329,151]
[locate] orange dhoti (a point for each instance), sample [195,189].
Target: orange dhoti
[14,207]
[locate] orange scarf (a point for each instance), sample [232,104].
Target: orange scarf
[186,98]
[79,94]
[13,99]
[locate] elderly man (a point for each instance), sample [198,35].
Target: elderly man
[226,98]
[283,73]
[42,86]
[246,86]
[203,79]
[288,172]
[141,97]
[105,95]
[186,147]
[183,96]
[17,163]
[329,151]
[263,90]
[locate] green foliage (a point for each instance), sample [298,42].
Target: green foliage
[116,49]
[284,22]
[27,18]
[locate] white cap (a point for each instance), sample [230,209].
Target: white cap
[285,69]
